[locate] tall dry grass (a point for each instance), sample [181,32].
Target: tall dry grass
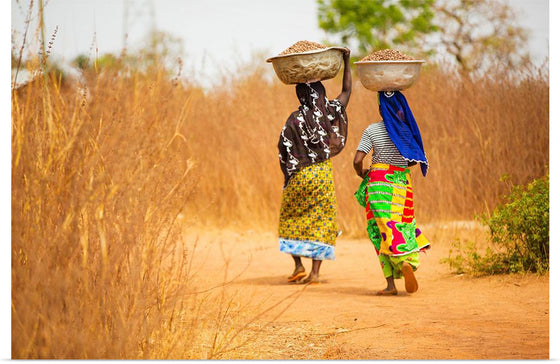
[475,131]
[97,190]
[104,184]
[100,266]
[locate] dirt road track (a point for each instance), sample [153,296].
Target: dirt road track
[450,317]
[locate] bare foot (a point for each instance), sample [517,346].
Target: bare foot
[311,279]
[410,282]
[388,292]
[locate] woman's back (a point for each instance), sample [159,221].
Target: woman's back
[384,150]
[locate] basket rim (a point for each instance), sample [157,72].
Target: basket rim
[401,61]
[306,52]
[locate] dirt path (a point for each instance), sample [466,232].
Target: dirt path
[450,317]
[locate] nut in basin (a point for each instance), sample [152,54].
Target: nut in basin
[310,66]
[388,75]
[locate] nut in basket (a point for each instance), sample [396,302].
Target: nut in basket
[309,66]
[393,75]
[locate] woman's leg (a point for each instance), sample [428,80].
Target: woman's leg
[313,277]
[388,273]
[297,261]
[405,266]
[390,284]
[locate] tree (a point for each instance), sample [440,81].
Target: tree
[480,33]
[477,34]
[377,24]
[159,49]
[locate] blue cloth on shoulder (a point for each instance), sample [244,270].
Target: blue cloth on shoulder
[402,128]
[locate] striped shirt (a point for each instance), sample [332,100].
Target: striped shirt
[384,151]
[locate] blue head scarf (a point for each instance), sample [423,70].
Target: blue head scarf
[402,128]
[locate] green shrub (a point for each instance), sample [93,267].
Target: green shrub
[519,235]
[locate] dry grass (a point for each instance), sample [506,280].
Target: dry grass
[100,267]
[95,207]
[474,132]
[103,186]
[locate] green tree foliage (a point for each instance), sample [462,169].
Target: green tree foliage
[159,49]
[475,34]
[81,61]
[377,24]
[105,61]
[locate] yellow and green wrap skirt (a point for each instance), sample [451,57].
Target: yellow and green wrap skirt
[308,225]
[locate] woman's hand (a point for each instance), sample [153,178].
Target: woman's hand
[362,173]
[346,54]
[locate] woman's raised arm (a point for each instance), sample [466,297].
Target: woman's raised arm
[344,96]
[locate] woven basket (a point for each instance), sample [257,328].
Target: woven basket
[388,75]
[310,66]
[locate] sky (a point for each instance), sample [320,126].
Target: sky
[216,34]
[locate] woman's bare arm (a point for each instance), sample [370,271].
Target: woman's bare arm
[358,159]
[344,96]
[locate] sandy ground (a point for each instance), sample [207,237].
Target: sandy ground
[450,317]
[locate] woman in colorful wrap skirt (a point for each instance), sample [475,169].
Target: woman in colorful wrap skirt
[386,190]
[312,135]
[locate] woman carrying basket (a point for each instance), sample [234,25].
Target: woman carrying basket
[311,136]
[386,190]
